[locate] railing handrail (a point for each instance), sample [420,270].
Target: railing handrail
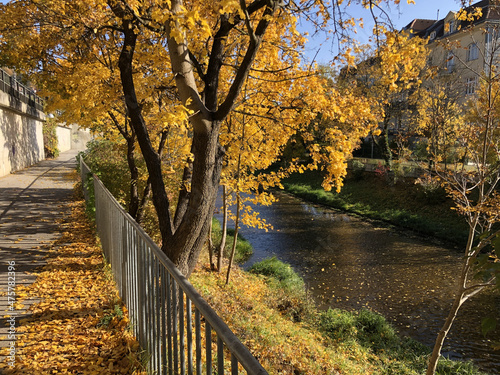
[11,85]
[236,347]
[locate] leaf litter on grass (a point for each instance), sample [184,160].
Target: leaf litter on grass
[80,325]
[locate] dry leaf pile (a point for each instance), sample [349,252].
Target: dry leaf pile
[80,326]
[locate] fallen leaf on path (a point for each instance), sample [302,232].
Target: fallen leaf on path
[80,325]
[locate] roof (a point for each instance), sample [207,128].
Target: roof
[419,24]
[435,29]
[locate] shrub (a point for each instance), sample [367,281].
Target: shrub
[374,330]
[280,271]
[358,169]
[290,296]
[50,138]
[338,325]
[106,159]
[430,190]
[381,172]
[367,328]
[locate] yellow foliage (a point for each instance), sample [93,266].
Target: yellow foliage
[64,333]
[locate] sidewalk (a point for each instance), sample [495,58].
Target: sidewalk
[30,206]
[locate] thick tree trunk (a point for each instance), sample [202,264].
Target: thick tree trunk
[184,236]
[151,157]
[192,230]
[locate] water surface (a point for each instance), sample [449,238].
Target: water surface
[349,263]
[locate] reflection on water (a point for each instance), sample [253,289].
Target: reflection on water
[350,264]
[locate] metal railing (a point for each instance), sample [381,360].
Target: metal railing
[20,93]
[164,308]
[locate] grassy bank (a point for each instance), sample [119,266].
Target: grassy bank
[268,308]
[403,204]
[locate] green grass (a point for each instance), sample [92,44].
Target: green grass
[283,273]
[243,248]
[288,288]
[403,204]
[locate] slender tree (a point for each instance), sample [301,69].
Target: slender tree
[473,186]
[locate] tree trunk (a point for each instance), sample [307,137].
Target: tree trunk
[386,147]
[211,247]
[224,229]
[460,298]
[142,205]
[183,236]
[134,203]
[235,240]
[436,352]
[191,233]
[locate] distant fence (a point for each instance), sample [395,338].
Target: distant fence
[407,169]
[164,308]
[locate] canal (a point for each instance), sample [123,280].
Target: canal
[349,263]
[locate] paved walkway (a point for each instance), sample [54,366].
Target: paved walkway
[31,202]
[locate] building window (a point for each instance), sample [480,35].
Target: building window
[449,27]
[491,35]
[450,62]
[470,85]
[472,52]
[433,35]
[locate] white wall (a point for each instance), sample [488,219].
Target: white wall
[79,138]
[21,137]
[63,138]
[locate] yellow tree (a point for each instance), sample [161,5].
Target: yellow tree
[388,76]
[205,51]
[438,118]
[90,95]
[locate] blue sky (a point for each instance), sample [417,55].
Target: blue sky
[401,15]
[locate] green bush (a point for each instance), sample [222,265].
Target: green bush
[430,190]
[358,169]
[50,138]
[373,332]
[365,327]
[282,272]
[338,325]
[290,295]
[107,160]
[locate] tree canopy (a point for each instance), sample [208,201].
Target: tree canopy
[194,75]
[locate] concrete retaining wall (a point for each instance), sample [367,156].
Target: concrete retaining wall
[79,138]
[21,137]
[64,136]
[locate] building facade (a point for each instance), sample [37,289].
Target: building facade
[463,46]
